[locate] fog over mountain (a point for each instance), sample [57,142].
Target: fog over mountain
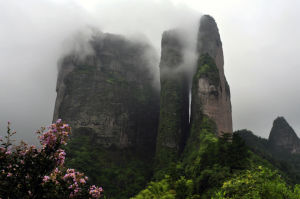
[260,43]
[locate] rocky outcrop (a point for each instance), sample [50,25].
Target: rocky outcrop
[174,100]
[111,100]
[110,93]
[283,136]
[210,90]
[210,93]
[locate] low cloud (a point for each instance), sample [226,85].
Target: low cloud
[36,34]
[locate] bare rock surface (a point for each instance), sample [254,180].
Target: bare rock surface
[210,91]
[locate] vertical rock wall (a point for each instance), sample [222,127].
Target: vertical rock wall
[210,90]
[210,93]
[110,93]
[112,105]
[174,100]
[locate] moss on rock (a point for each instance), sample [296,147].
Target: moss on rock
[207,68]
[174,102]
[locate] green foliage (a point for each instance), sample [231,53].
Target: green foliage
[216,161]
[259,183]
[169,188]
[157,190]
[287,163]
[183,187]
[210,167]
[122,173]
[202,134]
[207,68]
[206,164]
[173,122]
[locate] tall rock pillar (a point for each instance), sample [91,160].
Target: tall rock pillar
[210,90]
[174,100]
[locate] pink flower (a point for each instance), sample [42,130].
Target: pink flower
[82,181]
[51,140]
[46,178]
[61,156]
[95,192]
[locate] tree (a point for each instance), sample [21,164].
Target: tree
[39,172]
[260,183]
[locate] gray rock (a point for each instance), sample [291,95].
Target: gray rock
[174,100]
[282,135]
[110,93]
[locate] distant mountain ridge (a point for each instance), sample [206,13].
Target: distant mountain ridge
[281,148]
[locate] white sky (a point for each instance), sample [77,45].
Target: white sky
[261,43]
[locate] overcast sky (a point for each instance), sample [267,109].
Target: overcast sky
[261,43]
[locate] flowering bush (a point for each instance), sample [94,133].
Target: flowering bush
[31,172]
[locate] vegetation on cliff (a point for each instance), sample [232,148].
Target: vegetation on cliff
[110,100]
[220,168]
[174,102]
[173,122]
[122,172]
[257,183]
[119,142]
[288,164]
[207,68]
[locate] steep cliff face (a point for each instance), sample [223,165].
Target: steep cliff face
[282,135]
[110,100]
[174,100]
[120,122]
[110,94]
[210,93]
[210,90]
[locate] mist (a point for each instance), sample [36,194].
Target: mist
[260,44]
[35,35]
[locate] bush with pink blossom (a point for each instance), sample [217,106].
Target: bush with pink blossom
[27,171]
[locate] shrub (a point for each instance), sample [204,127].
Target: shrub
[39,172]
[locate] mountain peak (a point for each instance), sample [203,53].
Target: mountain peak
[283,135]
[210,89]
[280,121]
